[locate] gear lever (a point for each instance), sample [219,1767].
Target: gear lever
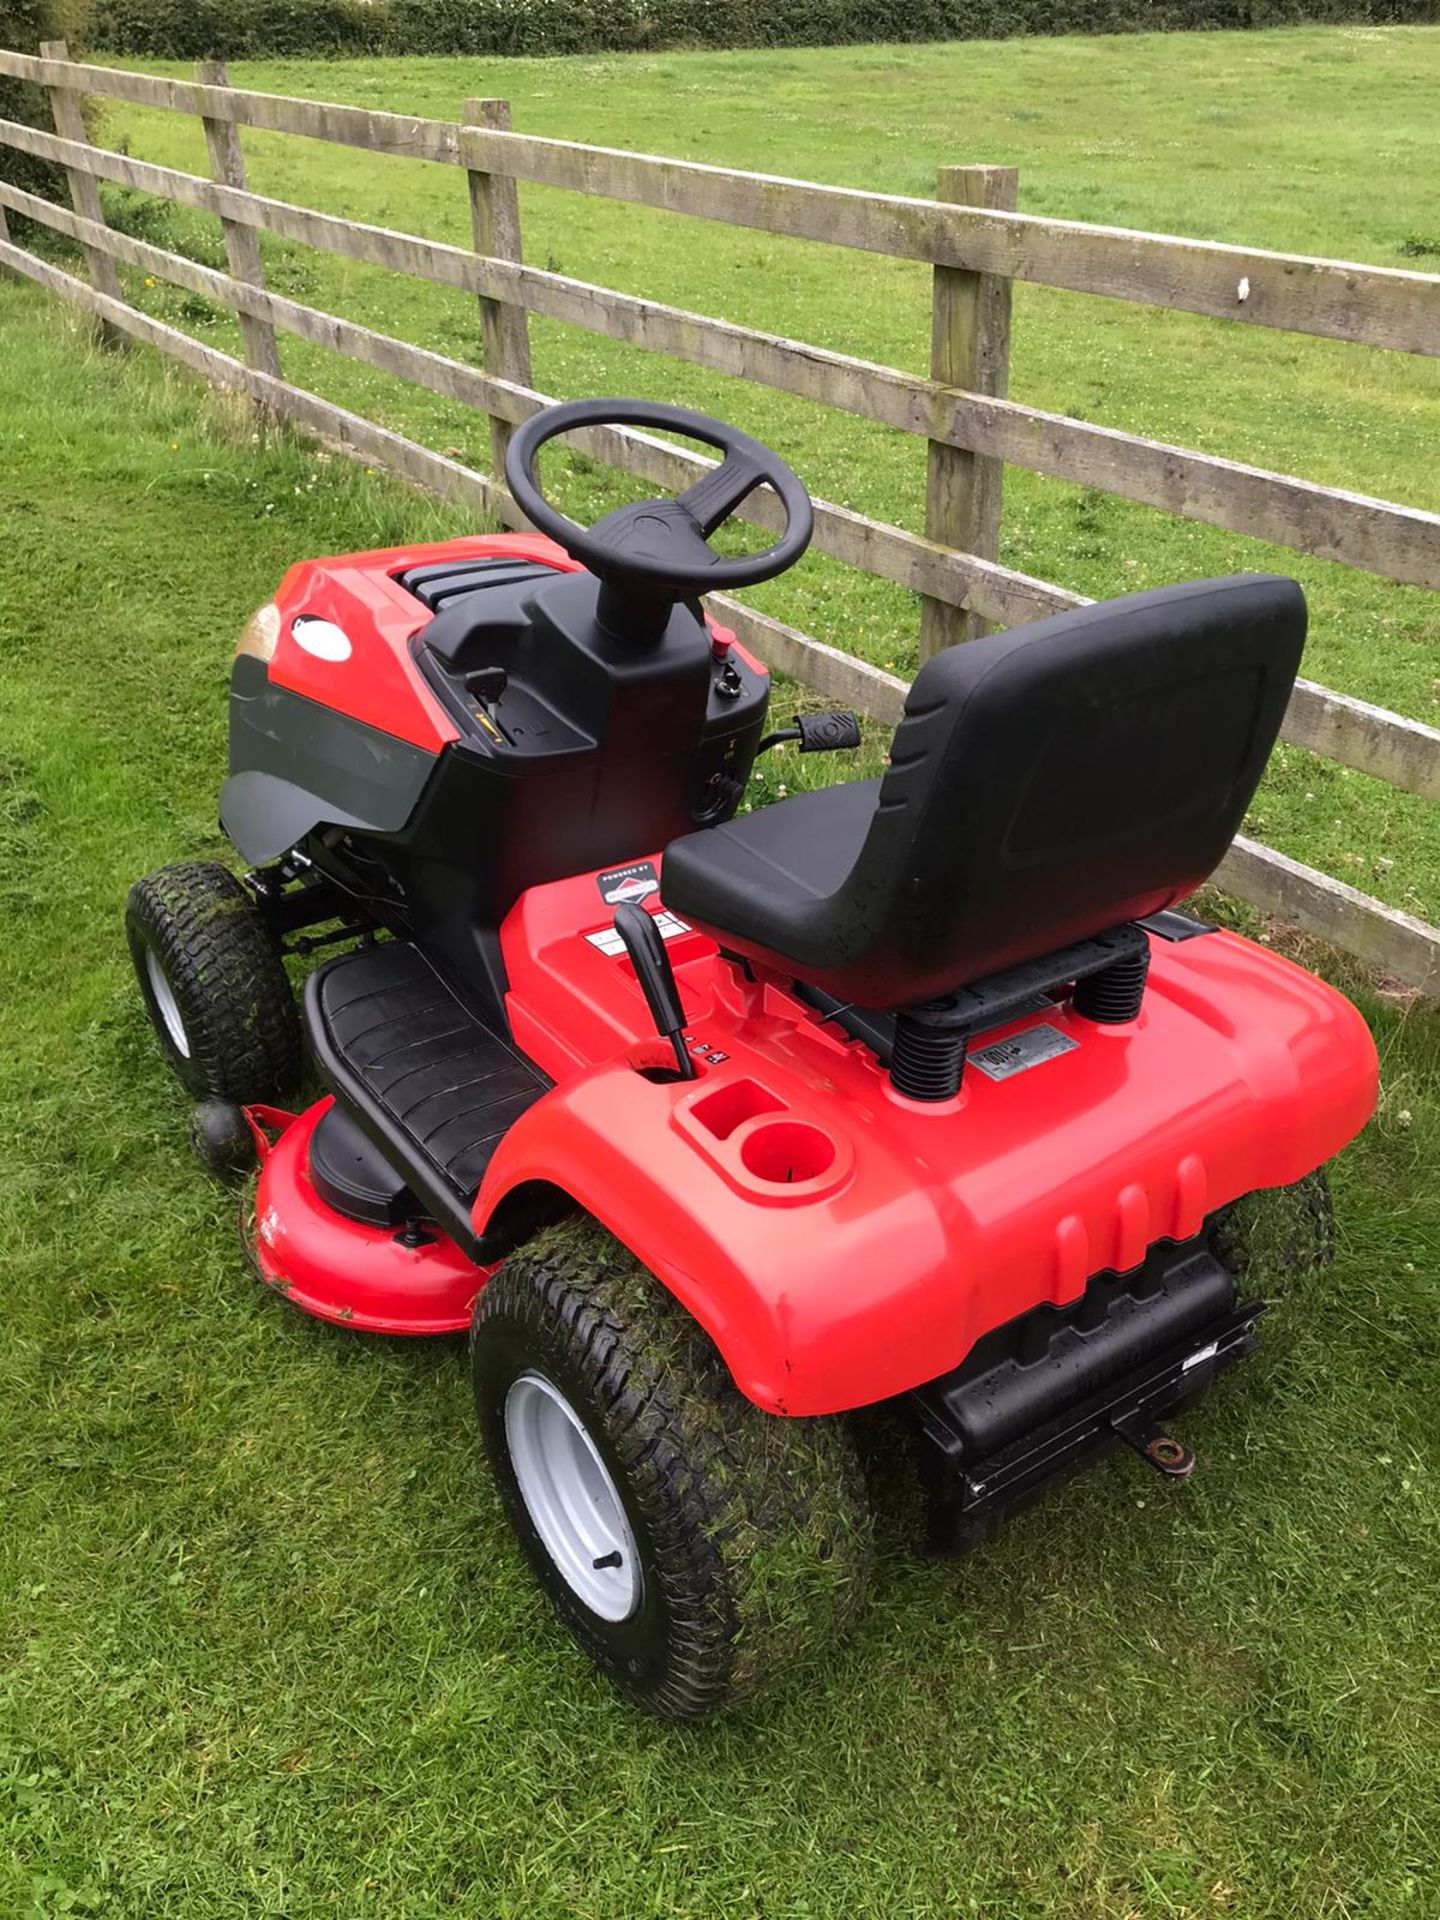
[647,953]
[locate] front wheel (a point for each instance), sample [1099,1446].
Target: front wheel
[1268,1237]
[695,1546]
[213,984]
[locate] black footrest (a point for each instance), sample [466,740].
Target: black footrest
[426,1079]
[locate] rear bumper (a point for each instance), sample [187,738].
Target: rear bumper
[1041,1398]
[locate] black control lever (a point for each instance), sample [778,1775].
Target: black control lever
[652,967]
[818,733]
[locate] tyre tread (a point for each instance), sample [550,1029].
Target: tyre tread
[216,951]
[1267,1238]
[726,1489]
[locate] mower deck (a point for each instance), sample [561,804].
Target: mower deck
[371,1279]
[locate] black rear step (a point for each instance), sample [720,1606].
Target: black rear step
[1042,1396]
[423,1077]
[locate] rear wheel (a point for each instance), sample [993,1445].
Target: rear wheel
[213,983]
[695,1546]
[1267,1238]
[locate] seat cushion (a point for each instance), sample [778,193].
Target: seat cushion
[772,868]
[1045,785]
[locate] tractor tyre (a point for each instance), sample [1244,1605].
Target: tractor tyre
[1267,1238]
[214,984]
[695,1546]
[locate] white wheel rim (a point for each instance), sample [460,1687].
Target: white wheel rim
[571,1499]
[166,1004]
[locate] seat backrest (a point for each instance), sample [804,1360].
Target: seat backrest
[1053,781]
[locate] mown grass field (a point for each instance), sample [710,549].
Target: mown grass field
[265,1647]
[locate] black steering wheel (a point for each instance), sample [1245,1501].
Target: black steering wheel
[659,550]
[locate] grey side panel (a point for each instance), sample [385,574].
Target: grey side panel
[266,816]
[295,765]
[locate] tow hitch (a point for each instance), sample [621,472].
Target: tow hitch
[1042,1396]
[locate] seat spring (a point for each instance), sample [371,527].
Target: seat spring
[926,1063]
[1114,995]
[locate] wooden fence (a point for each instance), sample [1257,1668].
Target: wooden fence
[977,243]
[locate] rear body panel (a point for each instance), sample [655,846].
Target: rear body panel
[842,1244]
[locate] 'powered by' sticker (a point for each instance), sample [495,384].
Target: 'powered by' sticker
[1022,1051]
[633,883]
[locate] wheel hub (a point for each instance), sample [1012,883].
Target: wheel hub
[571,1498]
[166,1003]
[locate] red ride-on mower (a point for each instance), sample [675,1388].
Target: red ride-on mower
[716,1127]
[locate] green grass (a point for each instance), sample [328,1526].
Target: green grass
[1318,140]
[265,1647]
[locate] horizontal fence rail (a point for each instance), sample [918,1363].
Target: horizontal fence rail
[1380,306]
[971,247]
[1400,542]
[394,133]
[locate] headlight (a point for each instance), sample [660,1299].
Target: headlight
[260,633]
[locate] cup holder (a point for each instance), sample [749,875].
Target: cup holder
[761,1147]
[786,1152]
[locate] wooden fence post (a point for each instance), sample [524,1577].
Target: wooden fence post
[69,116]
[242,244]
[495,231]
[969,348]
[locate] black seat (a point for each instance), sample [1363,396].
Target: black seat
[1045,785]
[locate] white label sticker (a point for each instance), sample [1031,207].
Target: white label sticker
[668,925]
[1200,1356]
[1004,1058]
[322,638]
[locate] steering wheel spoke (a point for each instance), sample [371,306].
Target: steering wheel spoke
[712,500]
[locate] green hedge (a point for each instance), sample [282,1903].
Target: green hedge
[192,29]
[23,25]
[201,29]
